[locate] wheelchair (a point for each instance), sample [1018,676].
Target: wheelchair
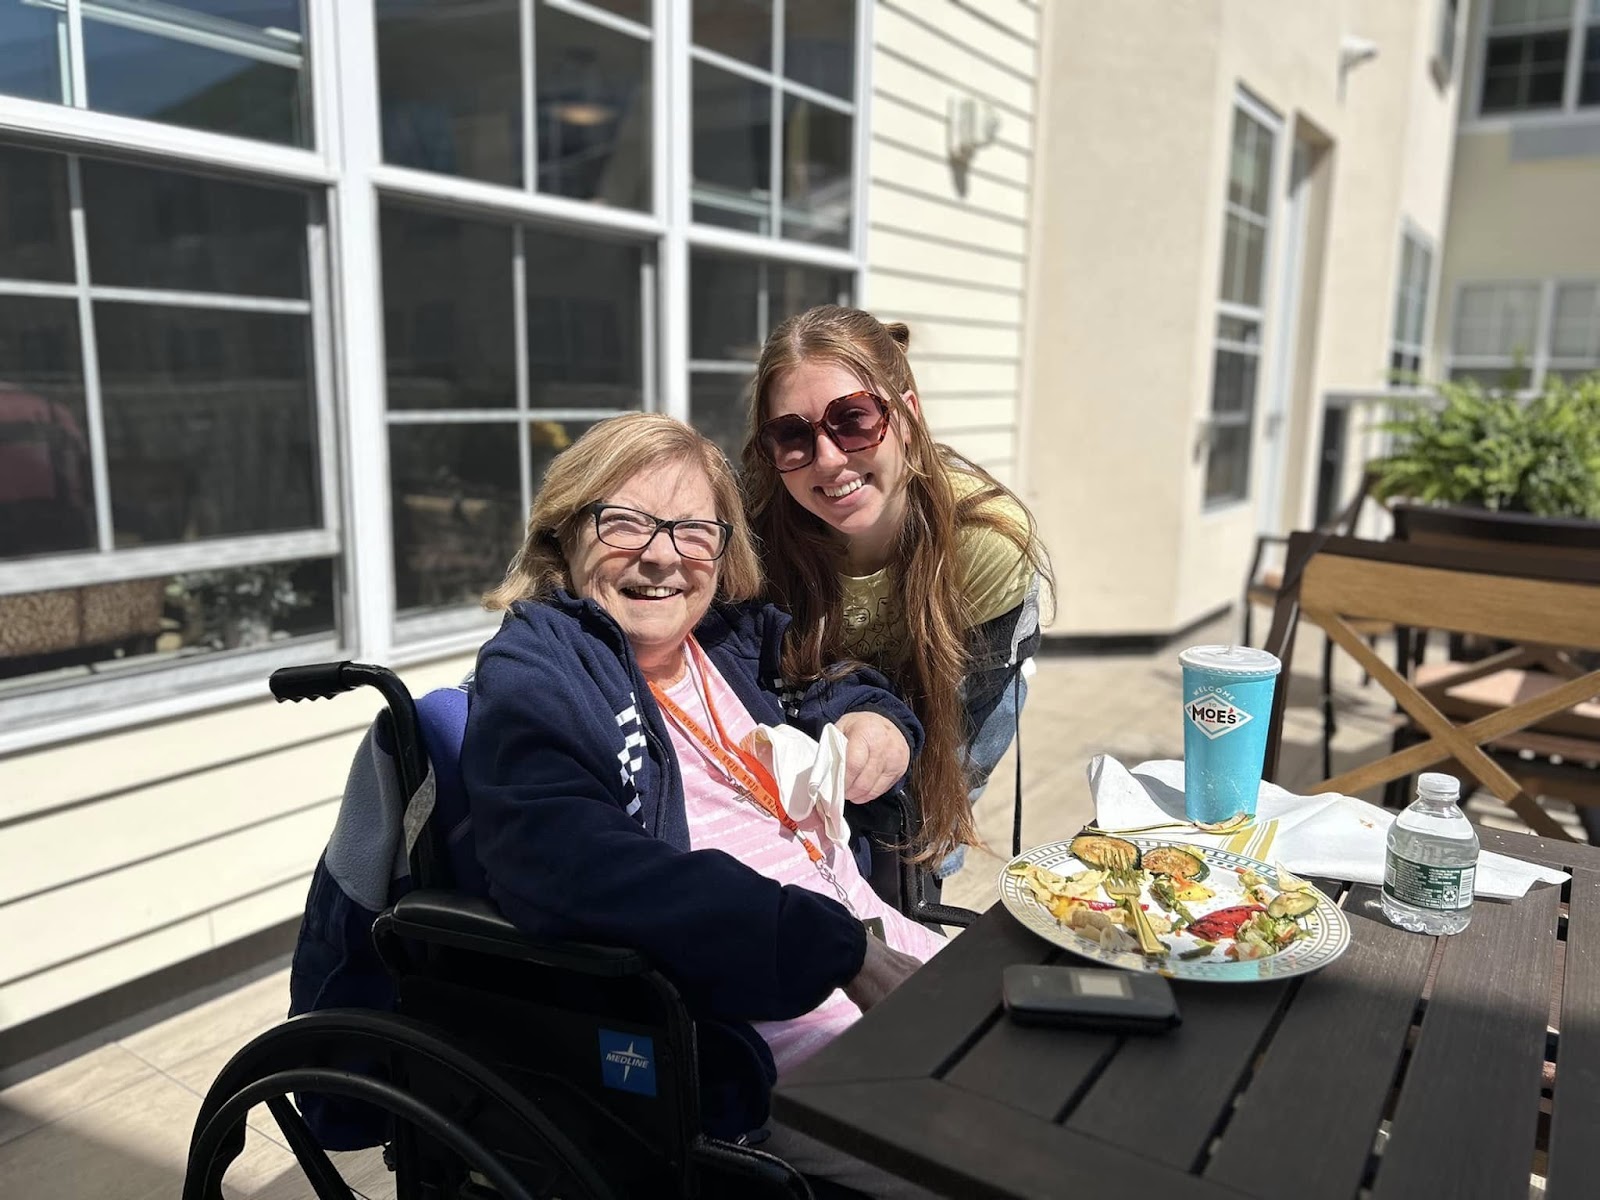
[482,1081]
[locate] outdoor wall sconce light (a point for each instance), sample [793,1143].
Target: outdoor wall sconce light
[971,124]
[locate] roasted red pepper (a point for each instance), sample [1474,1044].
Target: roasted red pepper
[1224,923]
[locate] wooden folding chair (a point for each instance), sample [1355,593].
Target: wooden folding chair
[1542,604]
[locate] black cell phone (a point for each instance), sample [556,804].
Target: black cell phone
[1089,998]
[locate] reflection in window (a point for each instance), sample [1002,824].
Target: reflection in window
[585,322]
[732,161]
[448,320]
[203,64]
[32,35]
[724,308]
[450,87]
[593,111]
[46,493]
[819,44]
[162,229]
[718,407]
[210,424]
[35,240]
[741,29]
[816,172]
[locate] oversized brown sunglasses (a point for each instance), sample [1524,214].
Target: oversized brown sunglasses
[858,421]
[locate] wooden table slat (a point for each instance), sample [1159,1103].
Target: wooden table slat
[1469,1103]
[910,1038]
[1180,1084]
[982,1147]
[1575,1121]
[1331,1066]
[1058,1063]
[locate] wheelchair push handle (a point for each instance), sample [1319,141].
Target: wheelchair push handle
[314,681]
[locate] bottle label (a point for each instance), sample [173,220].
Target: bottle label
[1421,886]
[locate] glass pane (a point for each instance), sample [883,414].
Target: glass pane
[1243,248]
[585,322]
[740,29]
[450,87]
[66,634]
[732,150]
[35,239]
[819,44]
[1577,322]
[449,327]
[816,173]
[1404,366]
[1507,378]
[46,490]
[1238,330]
[457,510]
[1589,84]
[718,405]
[1233,384]
[1228,464]
[594,111]
[34,38]
[159,229]
[1250,167]
[210,422]
[1524,71]
[724,308]
[230,66]
[546,439]
[795,289]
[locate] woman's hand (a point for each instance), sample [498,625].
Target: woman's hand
[882,970]
[876,755]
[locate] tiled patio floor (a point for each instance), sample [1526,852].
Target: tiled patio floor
[114,1123]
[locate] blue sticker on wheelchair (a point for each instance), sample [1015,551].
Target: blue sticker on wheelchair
[628,1062]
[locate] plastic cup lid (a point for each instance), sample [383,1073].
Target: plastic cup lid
[1231,660]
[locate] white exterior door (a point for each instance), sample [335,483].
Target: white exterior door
[1286,330]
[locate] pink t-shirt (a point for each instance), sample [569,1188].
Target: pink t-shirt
[720,818]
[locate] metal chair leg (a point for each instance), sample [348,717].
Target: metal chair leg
[1329,725]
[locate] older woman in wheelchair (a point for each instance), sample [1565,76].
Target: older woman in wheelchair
[616,797]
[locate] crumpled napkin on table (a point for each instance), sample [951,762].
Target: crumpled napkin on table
[1335,836]
[810,773]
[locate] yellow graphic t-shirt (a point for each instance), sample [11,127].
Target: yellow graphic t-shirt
[994,577]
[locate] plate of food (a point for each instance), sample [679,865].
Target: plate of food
[1179,910]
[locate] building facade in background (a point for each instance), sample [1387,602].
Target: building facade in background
[297,301]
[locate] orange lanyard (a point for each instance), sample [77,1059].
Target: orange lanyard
[743,767]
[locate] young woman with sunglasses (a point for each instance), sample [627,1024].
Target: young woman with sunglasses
[891,549]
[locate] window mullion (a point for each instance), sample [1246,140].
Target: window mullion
[675,169]
[79,86]
[530,104]
[775,142]
[519,328]
[1574,70]
[99,467]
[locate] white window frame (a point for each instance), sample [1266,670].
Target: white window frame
[1577,24]
[1540,360]
[1410,232]
[345,166]
[1446,42]
[1243,101]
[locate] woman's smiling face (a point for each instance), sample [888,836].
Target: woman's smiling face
[655,594]
[860,494]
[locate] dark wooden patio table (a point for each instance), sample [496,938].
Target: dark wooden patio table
[1413,1066]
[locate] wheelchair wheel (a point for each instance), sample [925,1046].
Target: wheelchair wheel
[460,1130]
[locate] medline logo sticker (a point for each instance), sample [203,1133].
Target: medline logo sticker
[1214,716]
[627,1062]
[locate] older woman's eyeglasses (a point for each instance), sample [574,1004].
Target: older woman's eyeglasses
[858,421]
[629,529]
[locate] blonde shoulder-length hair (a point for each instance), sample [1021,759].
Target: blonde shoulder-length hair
[594,467]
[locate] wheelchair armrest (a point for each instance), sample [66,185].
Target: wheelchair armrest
[943,914]
[471,923]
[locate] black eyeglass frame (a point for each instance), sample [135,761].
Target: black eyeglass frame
[823,427]
[599,506]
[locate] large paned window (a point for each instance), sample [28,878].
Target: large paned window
[761,66]
[1540,56]
[460,94]
[733,304]
[164,481]
[1516,335]
[504,343]
[1408,346]
[1236,363]
[225,66]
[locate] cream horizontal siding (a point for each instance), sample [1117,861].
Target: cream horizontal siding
[947,247]
[141,849]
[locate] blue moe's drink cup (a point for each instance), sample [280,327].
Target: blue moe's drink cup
[1227,707]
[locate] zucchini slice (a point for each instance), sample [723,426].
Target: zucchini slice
[1104,852]
[1175,860]
[1292,904]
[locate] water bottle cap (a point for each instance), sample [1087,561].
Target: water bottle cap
[1439,785]
[1231,660]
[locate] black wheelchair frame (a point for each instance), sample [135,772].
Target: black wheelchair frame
[486,1070]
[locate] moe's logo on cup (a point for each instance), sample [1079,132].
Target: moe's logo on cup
[1214,715]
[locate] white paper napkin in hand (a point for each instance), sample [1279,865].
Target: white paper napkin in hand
[810,774]
[1330,835]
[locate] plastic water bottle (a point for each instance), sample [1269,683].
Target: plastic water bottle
[1432,859]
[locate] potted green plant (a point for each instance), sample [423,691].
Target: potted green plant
[1492,449]
[236,606]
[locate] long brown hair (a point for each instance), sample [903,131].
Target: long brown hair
[602,460]
[803,555]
